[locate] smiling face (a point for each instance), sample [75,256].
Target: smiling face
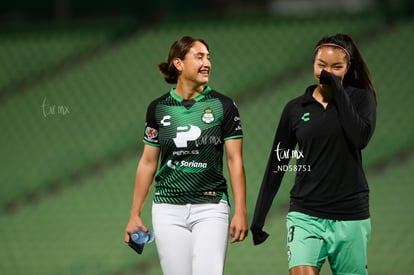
[331,59]
[195,67]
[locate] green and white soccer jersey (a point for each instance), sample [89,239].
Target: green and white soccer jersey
[191,135]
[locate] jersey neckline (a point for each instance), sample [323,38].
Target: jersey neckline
[200,96]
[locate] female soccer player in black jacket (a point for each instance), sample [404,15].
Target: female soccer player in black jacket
[324,130]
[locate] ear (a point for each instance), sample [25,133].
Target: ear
[178,63]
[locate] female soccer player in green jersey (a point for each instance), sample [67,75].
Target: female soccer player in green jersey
[186,132]
[331,123]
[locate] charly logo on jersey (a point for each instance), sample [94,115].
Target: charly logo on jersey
[208,116]
[165,121]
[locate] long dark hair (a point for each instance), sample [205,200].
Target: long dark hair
[358,74]
[177,50]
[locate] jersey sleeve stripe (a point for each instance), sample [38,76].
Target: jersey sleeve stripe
[233,137]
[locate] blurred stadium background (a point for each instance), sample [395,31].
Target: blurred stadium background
[76,78]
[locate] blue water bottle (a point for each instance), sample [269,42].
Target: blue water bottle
[138,239]
[142,237]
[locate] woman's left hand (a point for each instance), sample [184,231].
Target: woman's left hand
[238,228]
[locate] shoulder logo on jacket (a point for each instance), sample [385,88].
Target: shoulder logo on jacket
[305,117]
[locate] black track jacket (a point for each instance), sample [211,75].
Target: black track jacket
[330,182]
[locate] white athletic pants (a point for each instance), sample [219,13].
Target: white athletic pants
[191,239]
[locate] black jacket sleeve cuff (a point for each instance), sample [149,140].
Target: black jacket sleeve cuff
[259,236]
[330,79]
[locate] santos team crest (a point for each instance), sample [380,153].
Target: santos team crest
[208,116]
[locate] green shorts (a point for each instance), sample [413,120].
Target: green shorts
[311,240]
